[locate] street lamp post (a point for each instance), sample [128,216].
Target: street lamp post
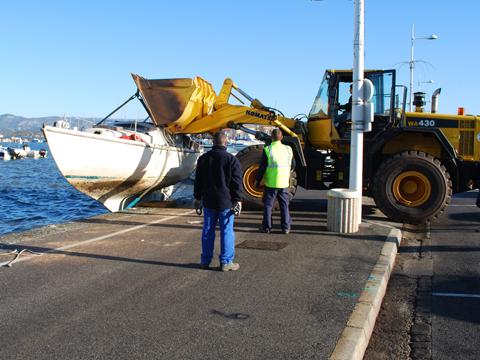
[425,82]
[412,61]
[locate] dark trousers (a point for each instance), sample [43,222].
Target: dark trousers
[269,196]
[478,198]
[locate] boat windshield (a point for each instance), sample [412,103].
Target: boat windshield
[320,105]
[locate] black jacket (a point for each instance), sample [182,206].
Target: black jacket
[218,179]
[347,107]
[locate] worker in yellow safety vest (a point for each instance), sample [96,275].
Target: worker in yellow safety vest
[275,167]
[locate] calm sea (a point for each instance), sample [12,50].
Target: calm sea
[33,193]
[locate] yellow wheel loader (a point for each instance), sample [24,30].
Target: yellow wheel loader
[413,161]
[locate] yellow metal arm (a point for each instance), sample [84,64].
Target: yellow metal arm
[206,112]
[190,106]
[237,114]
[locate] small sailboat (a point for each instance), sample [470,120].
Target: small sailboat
[118,163]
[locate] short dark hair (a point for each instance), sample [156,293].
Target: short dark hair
[220,138]
[276,134]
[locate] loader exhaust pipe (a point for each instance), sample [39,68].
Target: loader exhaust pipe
[435,96]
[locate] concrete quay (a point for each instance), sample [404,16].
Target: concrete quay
[127,285]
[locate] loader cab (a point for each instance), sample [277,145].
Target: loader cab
[330,117]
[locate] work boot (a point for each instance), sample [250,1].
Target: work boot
[265,230]
[230,267]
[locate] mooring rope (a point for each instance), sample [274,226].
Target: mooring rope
[17,256]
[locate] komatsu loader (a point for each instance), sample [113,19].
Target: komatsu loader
[413,161]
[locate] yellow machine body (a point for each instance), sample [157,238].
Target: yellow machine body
[438,154]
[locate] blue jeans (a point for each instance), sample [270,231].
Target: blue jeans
[269,196]
[227,237]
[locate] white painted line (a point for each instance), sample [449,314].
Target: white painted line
[461,205]
[84,242]
[475,296]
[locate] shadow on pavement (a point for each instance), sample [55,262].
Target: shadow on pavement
[458,307]
[467,216]
[468,195]
[43,250]
[438,248]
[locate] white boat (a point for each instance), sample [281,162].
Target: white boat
[117,165]
[36,154]
[206,143]
[16,154]
[243,143]
[4,153]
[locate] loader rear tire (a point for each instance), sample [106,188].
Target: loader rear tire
[250,159]
[412,187]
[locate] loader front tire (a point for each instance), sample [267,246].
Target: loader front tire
[412,187]
[249,160]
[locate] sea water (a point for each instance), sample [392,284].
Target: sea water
[33,193]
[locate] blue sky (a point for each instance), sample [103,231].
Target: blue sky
[75,57]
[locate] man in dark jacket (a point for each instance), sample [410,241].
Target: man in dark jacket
[218,187]
[341,120]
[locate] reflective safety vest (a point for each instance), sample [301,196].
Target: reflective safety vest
[279,158]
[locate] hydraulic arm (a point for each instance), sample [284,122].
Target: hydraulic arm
[190,106]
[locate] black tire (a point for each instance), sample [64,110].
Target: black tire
[250,159]
[412,187]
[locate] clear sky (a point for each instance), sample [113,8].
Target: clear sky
[75,57]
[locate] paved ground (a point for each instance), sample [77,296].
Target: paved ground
[432,305]
[456,282]
[140,294]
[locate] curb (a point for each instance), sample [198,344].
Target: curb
[355,337]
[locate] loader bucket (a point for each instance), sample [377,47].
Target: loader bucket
[178,101]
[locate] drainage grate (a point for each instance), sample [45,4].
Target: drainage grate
[262,245]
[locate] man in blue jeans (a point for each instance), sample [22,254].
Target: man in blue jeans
[218,188]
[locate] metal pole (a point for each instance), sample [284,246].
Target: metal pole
[412,65]
[356,142]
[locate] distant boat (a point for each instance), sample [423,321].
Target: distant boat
[10,153]
[4,154]
[206,143]
[36,154]
[117,164]
[16,154]
[243,143]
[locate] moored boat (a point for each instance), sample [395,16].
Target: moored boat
[4,154]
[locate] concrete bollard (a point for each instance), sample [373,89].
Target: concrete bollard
[343,215]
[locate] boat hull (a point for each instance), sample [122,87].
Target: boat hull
[116,171]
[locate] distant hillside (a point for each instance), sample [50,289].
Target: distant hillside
[18,125]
